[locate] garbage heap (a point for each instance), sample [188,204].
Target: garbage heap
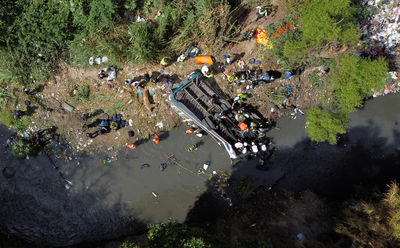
[380,30]
[392,85]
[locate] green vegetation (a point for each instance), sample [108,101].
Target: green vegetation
[354,78]
[83,93]
[33,38]
[373,224]
[278,96]
[324,125]
[7,118]
[22,148]
[173,234]
[320,23]
[38,34]
[143,46]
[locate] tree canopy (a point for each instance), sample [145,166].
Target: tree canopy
[325,125]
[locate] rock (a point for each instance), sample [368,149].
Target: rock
[67,107]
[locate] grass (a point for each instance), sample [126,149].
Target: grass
[315,80]
[7,118]
[278,96]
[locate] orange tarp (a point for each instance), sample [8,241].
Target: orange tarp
[281,31]
[204,59]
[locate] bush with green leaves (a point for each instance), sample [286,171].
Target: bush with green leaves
[206,24]
[319,22]
[8,119]
[35,38]
[83,93]
[173,234]
[324,125]
[354,78]
[143,45]
[23,148]
[130,5]
[278,96]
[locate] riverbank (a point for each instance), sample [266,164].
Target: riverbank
[87,94]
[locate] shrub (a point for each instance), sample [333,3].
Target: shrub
[100,16]
[354,78]
[373,224]
[7,118]
[206,25]
[324,125]
[23,148]
[130,5]
[35,39]
[97,35]
[320,22]
[143,47]
[83,92]
[278,96]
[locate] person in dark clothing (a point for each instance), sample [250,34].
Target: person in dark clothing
[102,130]
[18,114]
[102,74]
[92,135]
[27,91]
[84,117]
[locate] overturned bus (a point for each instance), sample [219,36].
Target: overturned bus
[197,102]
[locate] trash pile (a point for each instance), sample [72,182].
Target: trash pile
[98,60]
[392,85]
[109,72]
[381,29]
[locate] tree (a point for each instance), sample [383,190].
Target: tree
[324,125]
[354,78]
[373,224]
[320,22]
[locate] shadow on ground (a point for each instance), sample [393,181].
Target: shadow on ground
[362,163]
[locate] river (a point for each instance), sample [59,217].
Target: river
[107,201]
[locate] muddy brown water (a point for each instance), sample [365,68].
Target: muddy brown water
[108,201]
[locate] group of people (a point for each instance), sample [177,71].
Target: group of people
[246,123]
[105,125]
[250,74]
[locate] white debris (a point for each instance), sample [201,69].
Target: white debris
[159,124]
[154,194]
